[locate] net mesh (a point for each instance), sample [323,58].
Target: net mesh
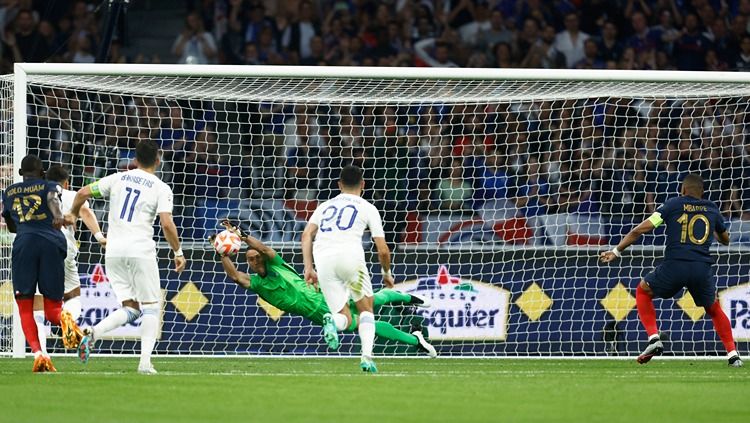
[6,178]
[496,197]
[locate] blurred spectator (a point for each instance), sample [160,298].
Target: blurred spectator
[25,43]
[440,56]
[643,38]
[454,191]
[496,32]
[742,61]
[298,35]
[570,41]
[591,57]
[194,45]
[609,46]
[690,49]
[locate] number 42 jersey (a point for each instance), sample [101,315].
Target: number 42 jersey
[26,204]
[341,223]
[136,197]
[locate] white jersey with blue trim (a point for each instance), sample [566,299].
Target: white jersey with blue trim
[342,222]
[66,198]
[136,197]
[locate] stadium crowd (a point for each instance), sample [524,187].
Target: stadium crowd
[588,34]
[556,165]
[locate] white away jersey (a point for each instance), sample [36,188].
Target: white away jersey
[341,222]
[66,199]
[135,198]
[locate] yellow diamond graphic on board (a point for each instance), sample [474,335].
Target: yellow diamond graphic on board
[687,304]
[272,312]
[618,302]
[189,301]
[534,302]
[6,299]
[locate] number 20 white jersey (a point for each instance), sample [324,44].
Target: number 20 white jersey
[135,198]
[341,223]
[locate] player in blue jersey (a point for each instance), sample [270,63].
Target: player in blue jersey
[692,224]
[32,210]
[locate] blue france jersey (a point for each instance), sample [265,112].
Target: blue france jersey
[691,223]
[26,204]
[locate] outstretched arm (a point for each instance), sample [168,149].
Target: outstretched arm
[307,256]
[89,219]
[250,240]
[722,237]
[384,256]
[645,227]
[55,207]
[240,278]
[82,195]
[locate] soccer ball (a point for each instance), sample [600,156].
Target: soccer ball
[227,243]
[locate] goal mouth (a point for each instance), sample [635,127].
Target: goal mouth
[498,189]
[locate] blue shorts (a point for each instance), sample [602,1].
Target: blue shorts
[37,260]
[671,276]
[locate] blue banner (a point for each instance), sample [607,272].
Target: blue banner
[516,302]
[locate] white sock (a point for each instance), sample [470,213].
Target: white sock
[149,327]
[41,330]
[367,332]
[731,354]
[116,319]
[654,336]
[340,321]
[73,306]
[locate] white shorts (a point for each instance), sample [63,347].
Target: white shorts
[341,279]
[134,278]
[72,279]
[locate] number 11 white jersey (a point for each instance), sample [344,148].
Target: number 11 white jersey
[135,198]
[341,223]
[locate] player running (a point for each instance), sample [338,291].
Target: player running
[72,296]
[277,283]
[136,197]
[692,223]
[32,211]
[337,227]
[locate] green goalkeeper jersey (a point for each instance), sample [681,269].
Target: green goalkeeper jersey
[285,289]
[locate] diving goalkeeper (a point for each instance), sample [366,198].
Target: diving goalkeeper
[277,283]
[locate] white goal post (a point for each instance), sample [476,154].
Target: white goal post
[498,187]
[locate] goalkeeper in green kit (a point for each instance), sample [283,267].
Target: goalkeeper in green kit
[277,283]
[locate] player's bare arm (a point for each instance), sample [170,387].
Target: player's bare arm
[82,195]
[311,277]
[55,207]
[250,240]
[645,227]
[9,223]
[722,237]
[384,256]
[170,232]
[92,223]
[240,278]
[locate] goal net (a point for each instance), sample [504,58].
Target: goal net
[498,189]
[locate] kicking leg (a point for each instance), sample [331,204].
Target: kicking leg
[647,315]
[390,296]
[724,330]
[39,319]
[72,303]
[128,313]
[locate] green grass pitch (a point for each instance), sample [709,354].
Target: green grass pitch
[405,390]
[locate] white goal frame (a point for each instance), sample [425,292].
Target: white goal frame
[23,70]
